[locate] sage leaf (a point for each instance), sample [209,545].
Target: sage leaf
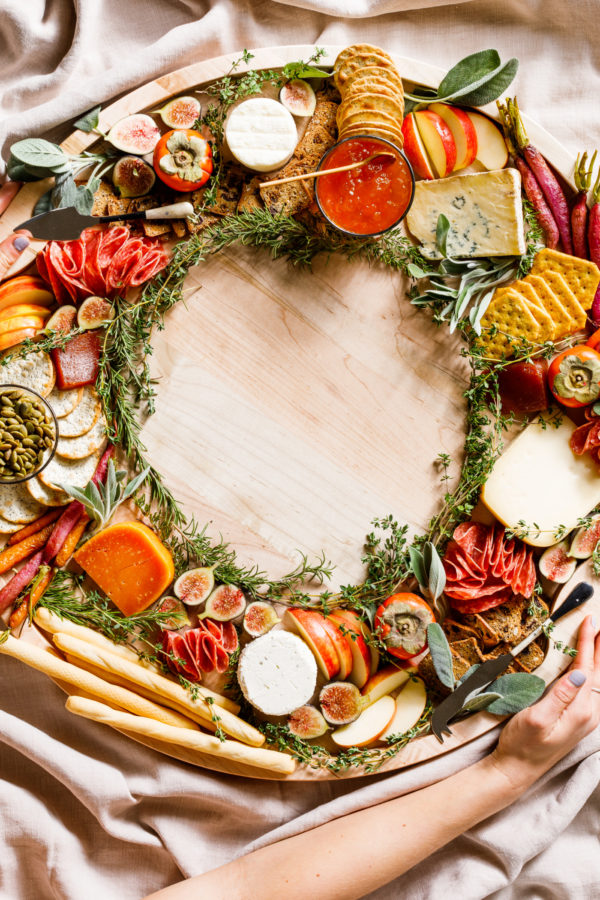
[493,87]
[135,483]
[441,233]
[44,204]
[416,271]
[18,171]
[436,575]
[518,691]
[299,70]
[440,654]
[468,673]
[480,701]
[471,68]
[39,153]
[418,567]
[89,122]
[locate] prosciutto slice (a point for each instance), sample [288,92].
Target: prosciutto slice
[203,649]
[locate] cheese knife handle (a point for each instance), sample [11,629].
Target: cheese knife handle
[578,595]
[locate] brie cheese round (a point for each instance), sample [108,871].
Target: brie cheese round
[277,673]
[261,134]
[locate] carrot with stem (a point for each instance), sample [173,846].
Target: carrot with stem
[579,212]
[71,541]
[16,553]
[594,244]
[29,603]
[34,527]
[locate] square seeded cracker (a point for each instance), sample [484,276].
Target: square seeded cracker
[538,291]
[542,317]
[559,287]
[580,275]
[511,315]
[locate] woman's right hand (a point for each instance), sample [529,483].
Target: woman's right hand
[536,738]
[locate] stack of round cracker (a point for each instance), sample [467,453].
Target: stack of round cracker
[372,94]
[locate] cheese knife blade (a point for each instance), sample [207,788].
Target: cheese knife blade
[66,223]
[488,671]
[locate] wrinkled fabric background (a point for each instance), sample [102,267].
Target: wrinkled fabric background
[85,812]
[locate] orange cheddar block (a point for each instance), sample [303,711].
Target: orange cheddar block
[129,563]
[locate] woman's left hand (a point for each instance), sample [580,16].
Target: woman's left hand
[12,247]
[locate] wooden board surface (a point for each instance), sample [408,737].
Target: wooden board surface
[295,406]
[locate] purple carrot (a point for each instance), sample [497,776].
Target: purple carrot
[536,198]
[579,212]
[594,242]
[18,582]
[554,194]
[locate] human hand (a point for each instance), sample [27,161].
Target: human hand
[536,738]
[13,246]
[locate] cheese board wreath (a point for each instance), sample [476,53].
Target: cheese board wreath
[474,271]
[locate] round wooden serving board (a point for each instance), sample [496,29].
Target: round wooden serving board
[294,407]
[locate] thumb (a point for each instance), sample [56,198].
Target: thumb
[11,248]
[565,690]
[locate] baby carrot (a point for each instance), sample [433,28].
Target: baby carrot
[71,541]
[34,527]
[31,601]
[10,556]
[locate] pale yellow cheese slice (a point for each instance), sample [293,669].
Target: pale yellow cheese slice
[538,480]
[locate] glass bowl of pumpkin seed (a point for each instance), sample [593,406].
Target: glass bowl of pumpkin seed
[28,433]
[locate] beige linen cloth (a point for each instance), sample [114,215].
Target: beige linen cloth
[86,813]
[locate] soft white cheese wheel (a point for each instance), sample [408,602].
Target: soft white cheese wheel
[277,673]
[261,134]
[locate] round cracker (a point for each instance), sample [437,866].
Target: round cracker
[9,527]
[64,402]
[388,76]
[44,495]
[373,86]
[361,61]
[371,131]
[17,505]
[34,371]
[365,103]
[85,444]
[84,416]
[370,118]
[74,472]
[353,49]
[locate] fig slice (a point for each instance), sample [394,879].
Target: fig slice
[556,563]
[585,539]
[63,319]
[137,134]
[341,702]
[298,97]
[307,722]
[226,602]
[194,586]
[259,618]
[181,112]
[133,177]
[95,312]
[179,617]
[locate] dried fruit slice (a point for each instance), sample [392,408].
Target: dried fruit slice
[585,539]
[133,177]
[195,586]
[259,618]
[226,602]
[298,97]
[137,134]
[341,702]
[179,617]
[95,312]
[556,563]
[306,722]
[181,112]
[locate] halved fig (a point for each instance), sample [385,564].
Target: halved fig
[259,618]
[138,134]
[298,97]
[95,312]
[307,722]
[341,702]
[585,539]
[133,177]
[195,586]
[226,602]
[556,563]
[180,113]
[63,319]
[179,617]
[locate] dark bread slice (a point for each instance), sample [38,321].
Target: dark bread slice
[498,651]
[458,631]
[250,197]
[530,658]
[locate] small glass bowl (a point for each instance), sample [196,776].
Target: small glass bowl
[386,143]
[29,393]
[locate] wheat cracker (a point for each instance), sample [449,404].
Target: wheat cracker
[538,291]
[84,445]
[34,371]
[44,495]
[84,416]
[74,472]
[17,505]
[64,402]
[581,275]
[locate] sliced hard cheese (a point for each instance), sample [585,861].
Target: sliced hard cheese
[484,211]
[261,134]
[277,673]
[540,482]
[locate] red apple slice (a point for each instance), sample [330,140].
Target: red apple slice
[384,682]
[361,658]
[491,146]
[25,289]
[463,132]
[368,727]
[353,618]
[415,149]
[311,630]
[410,704]
[438,141]
[341,646]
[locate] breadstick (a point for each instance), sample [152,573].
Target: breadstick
[52,665]
[168,691]
[49,621]
[272,760]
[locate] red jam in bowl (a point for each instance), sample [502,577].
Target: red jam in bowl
[370,199]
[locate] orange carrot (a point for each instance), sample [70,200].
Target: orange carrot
[71,541]
[34,527]
[10,556]
[31,601]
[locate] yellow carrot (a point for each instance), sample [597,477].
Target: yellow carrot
[71,541]
[34,527]
[10,556]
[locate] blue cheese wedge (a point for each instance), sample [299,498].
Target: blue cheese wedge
[484,210]
[277,673]
[539,488]
[261,134]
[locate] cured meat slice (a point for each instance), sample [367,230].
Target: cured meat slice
[205,648]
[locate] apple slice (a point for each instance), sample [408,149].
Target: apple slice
[12,338]
[371,723]
[492,151]
[463,132]
[384,682]
[353,619]
[311,630]
[410,703]
[438,141]
[25,309]
[25,289]
[415,149]
[361,658]
[17,323]
[341,646]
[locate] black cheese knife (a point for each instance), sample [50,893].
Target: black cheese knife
[490,670]
[66,224]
